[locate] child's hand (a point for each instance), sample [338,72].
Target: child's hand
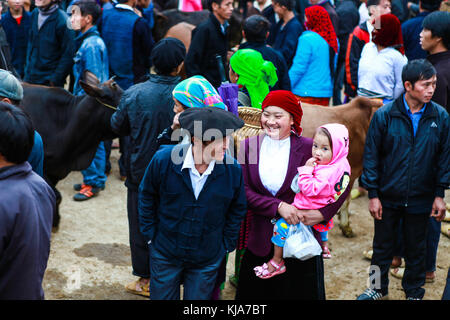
[311,162]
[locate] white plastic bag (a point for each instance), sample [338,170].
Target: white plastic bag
[300,243]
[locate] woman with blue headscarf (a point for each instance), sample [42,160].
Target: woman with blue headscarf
[193,92]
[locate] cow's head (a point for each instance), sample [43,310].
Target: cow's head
[108,93]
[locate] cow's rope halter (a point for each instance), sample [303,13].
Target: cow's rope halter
[105,104]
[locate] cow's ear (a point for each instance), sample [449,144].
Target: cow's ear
[91,90]
[90,78]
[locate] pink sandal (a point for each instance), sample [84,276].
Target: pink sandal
[326,254]
[264,273]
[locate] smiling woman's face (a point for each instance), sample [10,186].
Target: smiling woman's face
[276,122]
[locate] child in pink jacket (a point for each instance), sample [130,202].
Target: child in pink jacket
[321,181]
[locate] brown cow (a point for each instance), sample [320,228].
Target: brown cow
[355,115]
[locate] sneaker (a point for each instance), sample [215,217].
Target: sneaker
[413,298]
[79,186]
[86,193]
[370,294]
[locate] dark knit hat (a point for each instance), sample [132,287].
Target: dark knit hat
[199,120]
[168,54]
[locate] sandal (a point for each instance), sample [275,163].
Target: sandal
[133,287]
[264,273]
[326,254]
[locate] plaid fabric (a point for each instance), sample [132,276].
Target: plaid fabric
[197,92]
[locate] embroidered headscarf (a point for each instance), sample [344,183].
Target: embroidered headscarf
[318,20]
[255,74]
[388,32]
[197,92]
[287,101]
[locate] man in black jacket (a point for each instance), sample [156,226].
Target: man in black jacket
[256,30]
[210,39]
[406,171]
[144,111]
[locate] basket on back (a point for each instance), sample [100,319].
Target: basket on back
[252,127]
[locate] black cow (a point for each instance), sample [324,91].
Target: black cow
[71,126]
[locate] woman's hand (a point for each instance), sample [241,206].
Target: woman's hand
[176,123]
[289,213]
[310,217]
[311,162]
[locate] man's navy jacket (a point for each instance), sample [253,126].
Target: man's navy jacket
[404,170]
[181,227]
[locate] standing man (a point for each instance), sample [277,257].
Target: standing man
[129,43]
[27,204]
[406,171]
[411,29]
[284,36]
[191,204]
[50,45]
[145,110]
[16,22]
[209,39]
[91,56]
[435,39]
[255,31]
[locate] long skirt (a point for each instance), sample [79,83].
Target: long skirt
[303,280]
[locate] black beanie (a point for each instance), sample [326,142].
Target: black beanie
[168,54]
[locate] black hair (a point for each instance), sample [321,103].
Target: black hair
[289,4]
[16,133]
[416,70]
[89,7]
[210,2]
[256,28]
[439,24]
[374,2]
[430,5]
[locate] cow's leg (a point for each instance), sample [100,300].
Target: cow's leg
[56,217]
[344,219]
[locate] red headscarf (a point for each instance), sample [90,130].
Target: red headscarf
[287,101]
[388,32]
[318,20]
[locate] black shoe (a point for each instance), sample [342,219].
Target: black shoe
[370,294]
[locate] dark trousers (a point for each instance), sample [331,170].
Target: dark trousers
[168,274]
[140,260]
[108,144]
[124,160]
[303,280]
[446,294]
[414,235]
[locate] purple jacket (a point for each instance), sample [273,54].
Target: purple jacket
[261,203]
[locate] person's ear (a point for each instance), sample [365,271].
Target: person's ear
[408,86]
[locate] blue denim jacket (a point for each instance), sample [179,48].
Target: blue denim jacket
[93,56]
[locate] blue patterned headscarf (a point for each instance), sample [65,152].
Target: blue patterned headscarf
[197,92]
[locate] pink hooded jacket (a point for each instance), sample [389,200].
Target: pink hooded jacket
[323,184]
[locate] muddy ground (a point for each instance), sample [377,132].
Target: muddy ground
[90,257]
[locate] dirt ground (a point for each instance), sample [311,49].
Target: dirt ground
[90,257]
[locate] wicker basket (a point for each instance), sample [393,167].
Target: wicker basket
[252,126]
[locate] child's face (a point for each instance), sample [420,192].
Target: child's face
[321,149]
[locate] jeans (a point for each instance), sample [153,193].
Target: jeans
[414,236]
[94,175]
[168,274]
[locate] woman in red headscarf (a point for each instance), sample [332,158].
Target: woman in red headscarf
[269,164]
[382,60]
[312,70]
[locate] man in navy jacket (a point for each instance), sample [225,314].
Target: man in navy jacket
[406,171]
[50,47]
[191,204]
[27,204]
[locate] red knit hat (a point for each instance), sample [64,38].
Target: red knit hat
[287,101]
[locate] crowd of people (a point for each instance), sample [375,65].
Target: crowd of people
[190,200]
